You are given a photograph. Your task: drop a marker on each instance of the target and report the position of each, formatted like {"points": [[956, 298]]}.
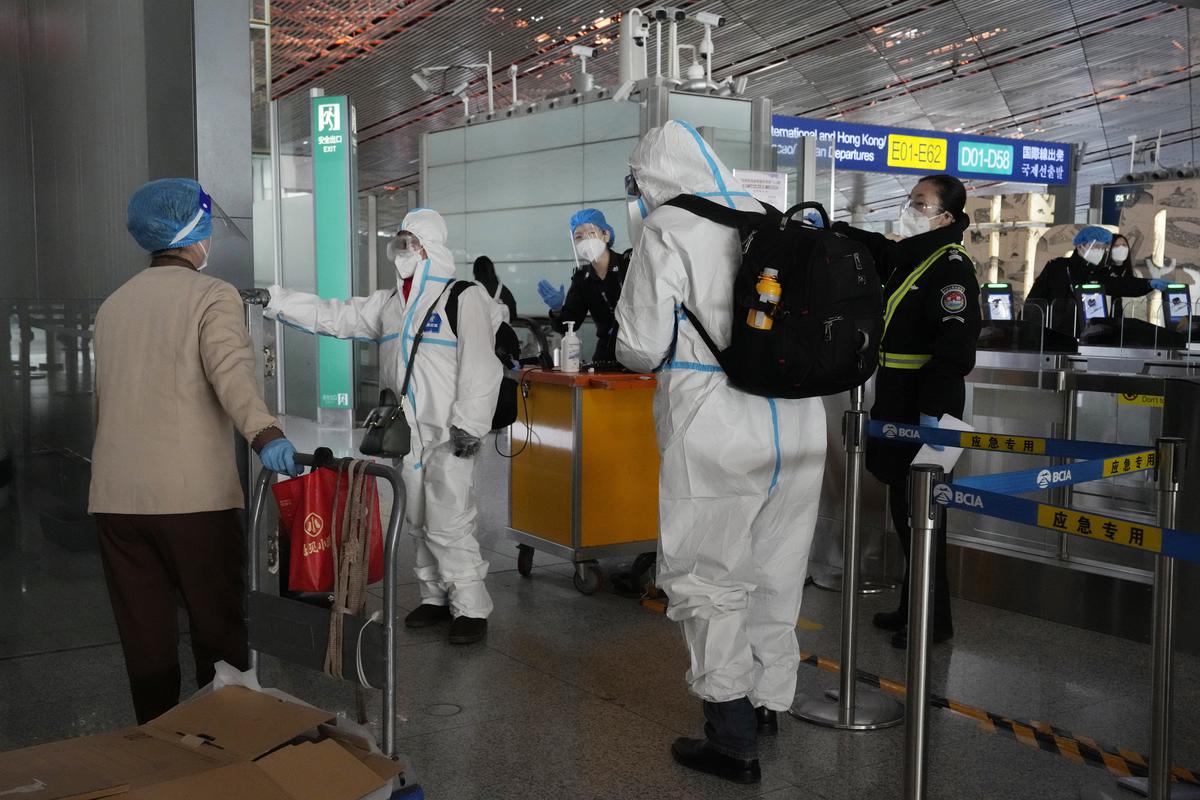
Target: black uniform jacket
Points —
{"points": [[1060, 276], [591, 295], [932, 332]]}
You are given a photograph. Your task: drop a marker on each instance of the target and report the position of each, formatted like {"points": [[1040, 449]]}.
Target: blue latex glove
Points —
{"points": [[931, 422], [814, 219], [551, 296], [279, 455], [1158, 284]]}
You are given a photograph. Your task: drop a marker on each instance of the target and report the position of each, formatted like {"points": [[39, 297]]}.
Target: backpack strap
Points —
{"points": [[412, 354], [708, 341], [713, 212], [456, 289]]}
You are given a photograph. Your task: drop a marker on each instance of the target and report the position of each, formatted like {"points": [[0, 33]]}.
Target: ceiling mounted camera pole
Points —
{"points": [[422, 75]]}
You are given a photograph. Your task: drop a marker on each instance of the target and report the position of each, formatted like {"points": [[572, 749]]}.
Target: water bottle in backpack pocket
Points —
{"points": [[819, 332]]}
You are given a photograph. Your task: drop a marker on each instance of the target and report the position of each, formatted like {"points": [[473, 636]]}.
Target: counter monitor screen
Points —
{"points": [[998, 301], [1092, 301], [1177, 303]]}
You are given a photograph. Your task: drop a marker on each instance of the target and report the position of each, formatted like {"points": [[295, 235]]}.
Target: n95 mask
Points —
{"points": [[589, 249], [913, 223], [406, 264]]}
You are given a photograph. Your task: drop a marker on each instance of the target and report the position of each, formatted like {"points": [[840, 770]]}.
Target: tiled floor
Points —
{"points": [[580, 697]]}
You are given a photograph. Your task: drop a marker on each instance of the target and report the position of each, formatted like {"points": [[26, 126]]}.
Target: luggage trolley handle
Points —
{"points": [[323, 457]]}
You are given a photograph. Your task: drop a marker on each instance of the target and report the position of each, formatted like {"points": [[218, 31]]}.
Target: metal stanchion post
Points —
{"points": [[830, 579], [1169, 475], [923, 516], [845, 709]]}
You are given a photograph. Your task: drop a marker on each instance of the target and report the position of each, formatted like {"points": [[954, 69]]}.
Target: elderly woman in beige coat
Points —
{"points": [[174, 382]]}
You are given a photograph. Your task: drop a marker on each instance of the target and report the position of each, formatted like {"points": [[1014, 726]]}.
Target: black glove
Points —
{"points": [[256, 297], [465, 445]]}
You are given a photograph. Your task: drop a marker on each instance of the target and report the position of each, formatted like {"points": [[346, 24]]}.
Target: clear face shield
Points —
{"points": [[224, 231], [635, 207], [589, 243]]}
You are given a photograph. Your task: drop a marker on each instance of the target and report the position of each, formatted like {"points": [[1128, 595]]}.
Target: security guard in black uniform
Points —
{"points": [[932, 322]]}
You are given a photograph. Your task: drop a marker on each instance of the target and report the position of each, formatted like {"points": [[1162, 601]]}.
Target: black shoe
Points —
{"points": [[890, 620], [940, 635], [699, 755], [467, 630], [425, 615], [768, 721]]}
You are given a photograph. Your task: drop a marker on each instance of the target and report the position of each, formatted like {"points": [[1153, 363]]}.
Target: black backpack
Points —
{"points": [[508, 351], [828, 323]]}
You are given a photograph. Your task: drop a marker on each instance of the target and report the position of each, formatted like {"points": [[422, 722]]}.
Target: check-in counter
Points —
{"points": [[584, 470]]}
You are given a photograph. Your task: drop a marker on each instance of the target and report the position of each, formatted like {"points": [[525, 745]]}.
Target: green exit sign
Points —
{"points": [[986, 157]]}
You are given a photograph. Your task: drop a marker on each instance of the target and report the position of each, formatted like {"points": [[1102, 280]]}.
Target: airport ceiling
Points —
{"points": [[1080, 71]]}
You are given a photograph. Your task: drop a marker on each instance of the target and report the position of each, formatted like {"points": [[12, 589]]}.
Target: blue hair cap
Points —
{"points": [[1093, 233], [592, 216], [169, 213]]}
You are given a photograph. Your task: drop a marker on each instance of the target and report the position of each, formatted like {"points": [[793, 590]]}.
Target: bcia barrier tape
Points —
{"points": [[1032, 480], [998, 442], [1138, 535]]}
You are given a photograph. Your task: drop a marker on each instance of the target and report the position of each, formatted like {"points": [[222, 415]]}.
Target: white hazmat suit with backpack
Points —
{"points": [[455, 381], [741, 474]]}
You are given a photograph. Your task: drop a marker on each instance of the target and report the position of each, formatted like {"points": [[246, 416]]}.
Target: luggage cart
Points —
{"points": [[298, 632]]}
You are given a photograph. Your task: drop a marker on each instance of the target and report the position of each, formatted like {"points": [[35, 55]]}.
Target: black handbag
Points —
{"points": [[388, 434]]}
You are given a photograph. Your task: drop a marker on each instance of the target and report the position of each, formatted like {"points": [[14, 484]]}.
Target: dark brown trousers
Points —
{"points": [[148, 558]]}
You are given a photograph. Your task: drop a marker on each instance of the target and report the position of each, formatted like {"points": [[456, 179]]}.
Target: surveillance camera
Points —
{"points": [[708, 18], [419, 80], [513, 70], [581, 51], [461, 89], [667, 14]]}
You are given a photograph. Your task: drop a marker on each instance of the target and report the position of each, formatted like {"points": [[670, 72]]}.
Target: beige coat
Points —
{"points": [[175, 377]]}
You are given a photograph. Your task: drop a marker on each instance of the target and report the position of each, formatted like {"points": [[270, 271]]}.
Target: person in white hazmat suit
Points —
{"points": [[449, 407], [740, 475]]}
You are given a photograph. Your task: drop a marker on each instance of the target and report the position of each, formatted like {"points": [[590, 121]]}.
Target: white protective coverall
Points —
{"points": [[455, 382], [741, 474]]}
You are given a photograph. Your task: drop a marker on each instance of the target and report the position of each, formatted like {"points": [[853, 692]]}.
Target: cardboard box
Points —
{"points": [[982, 208], [1027, 207], [233, 744]]}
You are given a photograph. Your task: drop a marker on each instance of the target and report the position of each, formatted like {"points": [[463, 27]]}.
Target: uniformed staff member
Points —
{"points": [[1089, 263], [595, 286], [931, 324]]}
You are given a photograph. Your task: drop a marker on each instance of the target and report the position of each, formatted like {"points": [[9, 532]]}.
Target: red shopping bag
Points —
{"points": [[306, 508]]}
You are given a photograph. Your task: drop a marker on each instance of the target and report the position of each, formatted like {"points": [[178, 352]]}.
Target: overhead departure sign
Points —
{"points": [[874, 148], [926, 153]]}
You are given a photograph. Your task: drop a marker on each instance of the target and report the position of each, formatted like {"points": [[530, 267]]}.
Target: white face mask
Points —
{"points": [[590, 249], [1093, 254], [913, 223], [1119, 254], [204, 263], [637, 213], [406, 264]]}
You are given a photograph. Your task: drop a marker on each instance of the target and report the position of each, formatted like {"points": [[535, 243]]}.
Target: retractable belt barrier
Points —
{"points": [[989, 495]]}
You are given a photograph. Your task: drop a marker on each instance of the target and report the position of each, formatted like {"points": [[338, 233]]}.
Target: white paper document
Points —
{"points": [[947, 457]]}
